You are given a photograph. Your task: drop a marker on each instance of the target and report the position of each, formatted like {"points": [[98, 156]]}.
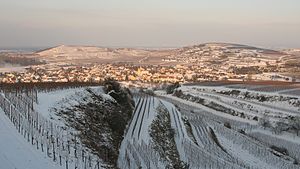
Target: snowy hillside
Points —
{"points": [[249, 128], [49, 137], [225, 126], [73, 127], [146, 144], [199, 142], [17, 153]]}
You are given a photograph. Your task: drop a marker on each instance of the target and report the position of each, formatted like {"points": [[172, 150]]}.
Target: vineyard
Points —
{"points": [[228, 134], [198, 128], [207, 151], [59, 143]]}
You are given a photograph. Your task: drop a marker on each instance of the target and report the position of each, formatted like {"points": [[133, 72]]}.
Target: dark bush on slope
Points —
{"points": [[101, 122], [170, 89], [122, 95], [282, 150]]}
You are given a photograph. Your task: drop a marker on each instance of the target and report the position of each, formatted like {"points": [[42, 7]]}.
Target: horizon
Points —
{"points": [[149, 23], [37, 48]]}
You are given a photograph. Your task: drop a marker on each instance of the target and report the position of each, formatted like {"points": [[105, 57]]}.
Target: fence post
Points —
{"points": [[67, 165]]}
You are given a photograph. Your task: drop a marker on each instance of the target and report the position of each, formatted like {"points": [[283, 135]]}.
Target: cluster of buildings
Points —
{"points": [[124, 72]]}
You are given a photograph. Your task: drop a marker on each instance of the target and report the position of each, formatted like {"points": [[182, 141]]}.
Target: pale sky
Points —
{"points": [[151, 23]]}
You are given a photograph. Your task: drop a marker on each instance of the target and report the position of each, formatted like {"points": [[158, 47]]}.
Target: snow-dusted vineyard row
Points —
{"points": [[287, 107], [244, 104], [237, 123], [204, 153], [267, 89], [291, 145], [137, 149], [198, 158], [278, 99], [205, 129], [16, 153], [202, 134], [207, 149], [253, 148], [57, 142]]}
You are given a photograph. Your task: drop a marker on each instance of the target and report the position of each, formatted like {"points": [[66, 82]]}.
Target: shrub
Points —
{"points": [[295, 124], [264, 122], [170, 89], [282, 150], [178, 93], [227, 124]]}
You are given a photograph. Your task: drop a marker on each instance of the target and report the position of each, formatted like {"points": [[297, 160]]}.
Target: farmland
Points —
{"points": [[218, 125]]}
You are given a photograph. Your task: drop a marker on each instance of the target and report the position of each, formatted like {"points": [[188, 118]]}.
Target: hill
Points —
{"points": [[196, 54], [91, 54]]}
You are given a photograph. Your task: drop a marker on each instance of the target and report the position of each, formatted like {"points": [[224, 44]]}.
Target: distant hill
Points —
{"points": [[79, 54], [201, 53]]}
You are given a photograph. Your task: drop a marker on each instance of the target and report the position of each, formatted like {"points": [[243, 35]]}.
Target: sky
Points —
{"points": [[151, 23]]}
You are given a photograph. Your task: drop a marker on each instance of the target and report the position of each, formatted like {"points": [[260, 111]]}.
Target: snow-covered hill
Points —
{"points": [[17, 153], [208, 53], [78, 127], [86, 54]]}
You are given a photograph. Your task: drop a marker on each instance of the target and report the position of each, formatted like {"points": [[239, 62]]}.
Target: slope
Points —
{"points": [[16, 153]]}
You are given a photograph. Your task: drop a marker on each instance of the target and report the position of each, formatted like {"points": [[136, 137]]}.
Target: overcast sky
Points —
{"points": [[151, 23]]}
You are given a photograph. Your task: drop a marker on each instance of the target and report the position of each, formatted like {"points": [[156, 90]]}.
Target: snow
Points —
{"points": [[144, 113], [279, 105], [250, 150], [16, 153], [136, 145], [283, 136], [275, 109], [248, 158], [179, 128], [236, 150], [47, 100], [206, 109], [244, 151]]}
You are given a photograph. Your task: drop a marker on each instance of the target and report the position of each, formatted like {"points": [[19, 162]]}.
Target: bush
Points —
{"points": [[255, 118], [242, 131], [227, 124], [280, 127], [111, 84], [282, 150], [178, 93], [295, 124], [170, 89], [264, 122]]}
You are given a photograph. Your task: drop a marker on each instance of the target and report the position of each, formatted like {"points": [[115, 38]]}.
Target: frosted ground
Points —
{"points": [[201, 137]]}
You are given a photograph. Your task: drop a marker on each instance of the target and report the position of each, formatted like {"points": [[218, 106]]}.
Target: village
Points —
{"points": [[144, 74]]}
